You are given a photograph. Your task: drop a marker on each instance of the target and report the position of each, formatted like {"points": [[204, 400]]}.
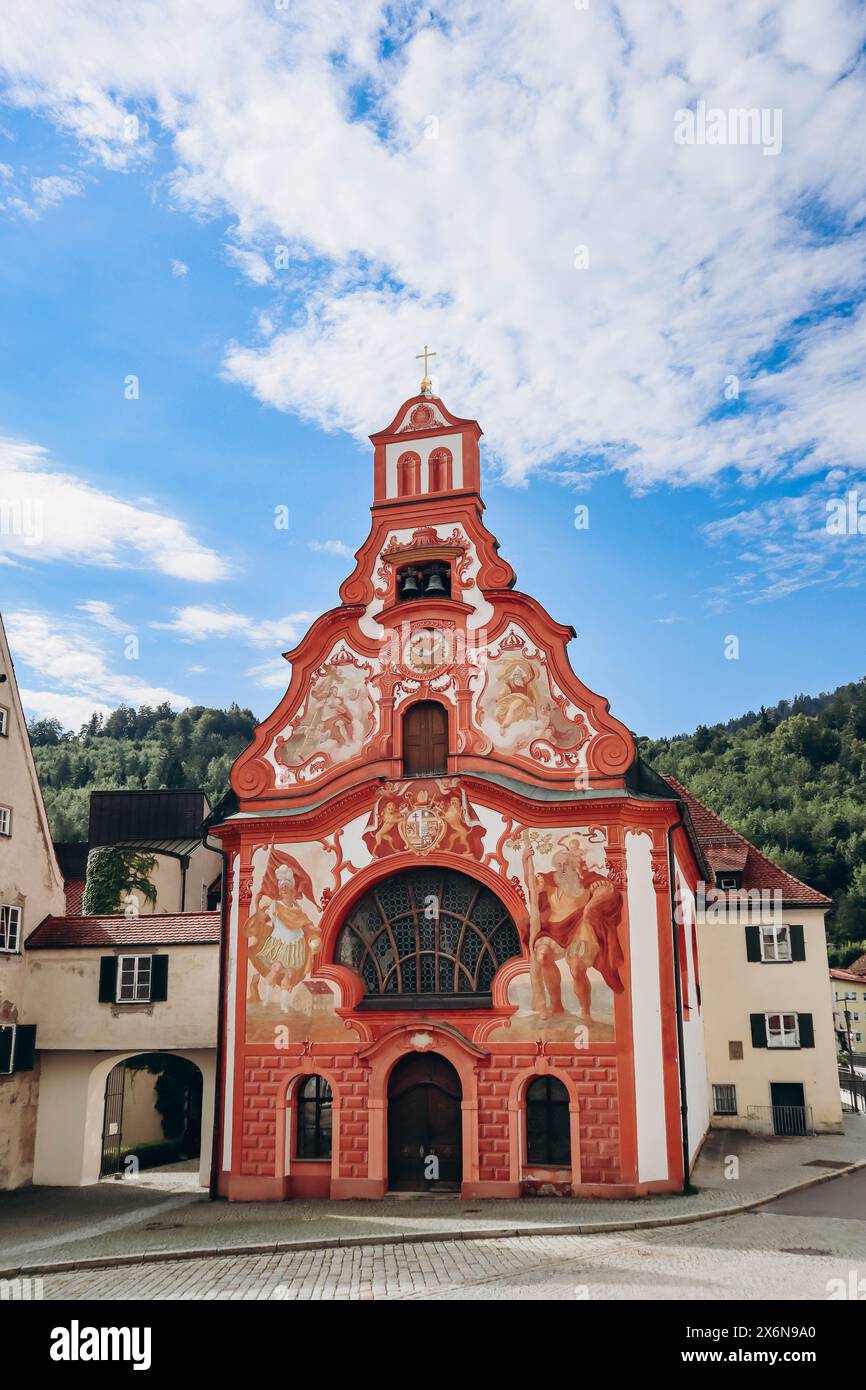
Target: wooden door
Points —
{"points": [[425, 1125], [425, 739]]}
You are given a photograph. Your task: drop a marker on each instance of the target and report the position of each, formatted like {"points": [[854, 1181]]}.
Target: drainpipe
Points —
{"points": [[681, 1047], [221, 1013]]}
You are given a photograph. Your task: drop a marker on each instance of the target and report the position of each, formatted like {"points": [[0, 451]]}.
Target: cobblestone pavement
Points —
{"points": [[756, 1255], [166, 1210]]}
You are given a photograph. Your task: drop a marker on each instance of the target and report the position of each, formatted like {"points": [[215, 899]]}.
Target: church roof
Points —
{"points": [[150, 929], [727, 850]]}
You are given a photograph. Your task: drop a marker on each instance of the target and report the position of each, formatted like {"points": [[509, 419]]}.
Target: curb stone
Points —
{"points": [[288, 1247]]}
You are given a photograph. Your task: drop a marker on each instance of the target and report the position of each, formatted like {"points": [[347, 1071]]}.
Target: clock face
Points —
{"points": [[426, 650]]}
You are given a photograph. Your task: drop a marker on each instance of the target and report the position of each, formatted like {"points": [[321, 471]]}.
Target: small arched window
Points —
{"points": [[408, 475], [440, 470], [548, 1126], [314, 1118], [425, 739]]}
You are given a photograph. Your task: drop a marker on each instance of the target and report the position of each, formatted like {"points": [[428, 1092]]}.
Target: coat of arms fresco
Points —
{"points": [[424, 816]]}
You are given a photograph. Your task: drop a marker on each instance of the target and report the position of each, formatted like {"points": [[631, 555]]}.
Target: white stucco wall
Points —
{"points": [[652, 1156], [71, 1111], [735, 988]]}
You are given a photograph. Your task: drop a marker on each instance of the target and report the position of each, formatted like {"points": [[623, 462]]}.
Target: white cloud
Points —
{"points": [[786, 544], [50, 515], [270, 675], [103, 615], [251, 264], [552, 129], [179, 269], [45, 193], [75, 667], [200, 622], [71, 710], [331, 548]]}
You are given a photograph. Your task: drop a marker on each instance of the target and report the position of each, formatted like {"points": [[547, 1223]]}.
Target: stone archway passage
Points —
{"points": [[166, 1128], [425, 1125]]}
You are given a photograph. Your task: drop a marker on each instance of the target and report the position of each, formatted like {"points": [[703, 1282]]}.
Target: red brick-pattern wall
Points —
{"points": [[264, 1080], [594, 1078], [595, 1081]]}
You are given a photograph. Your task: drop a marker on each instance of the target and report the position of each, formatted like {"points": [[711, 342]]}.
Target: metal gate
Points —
{"points": [[112, 1122]]}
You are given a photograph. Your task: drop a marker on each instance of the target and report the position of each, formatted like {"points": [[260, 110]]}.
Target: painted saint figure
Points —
{"points": [[517, 699], [575, 913], [282, 940]]}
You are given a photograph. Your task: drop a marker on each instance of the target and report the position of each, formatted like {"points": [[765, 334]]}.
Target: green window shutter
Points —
{"points": [[798, 944], [753, 943], [759, 1030], [806, 1030], [25, 1046], [158, 978], [7, 1035], [107, 979]]}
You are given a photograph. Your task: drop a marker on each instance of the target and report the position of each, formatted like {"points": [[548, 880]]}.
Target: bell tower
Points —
{"points": [[426, 452]]}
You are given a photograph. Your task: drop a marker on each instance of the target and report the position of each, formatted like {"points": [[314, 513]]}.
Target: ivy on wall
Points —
{"points": [[112, 872]]}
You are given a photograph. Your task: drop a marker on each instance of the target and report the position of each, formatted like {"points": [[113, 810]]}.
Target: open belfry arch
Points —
{"points": [[451, 958]]}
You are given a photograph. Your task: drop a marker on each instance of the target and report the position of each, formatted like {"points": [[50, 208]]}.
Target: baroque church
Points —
{"points": [[452, 959]]}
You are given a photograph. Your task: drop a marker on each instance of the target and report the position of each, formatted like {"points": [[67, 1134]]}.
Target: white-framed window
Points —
{"points": [[724, 1100], [5, 820], [10, 928], [775, 943], [858, 1037], [782, 1030], [4, 721], [133, 979]]}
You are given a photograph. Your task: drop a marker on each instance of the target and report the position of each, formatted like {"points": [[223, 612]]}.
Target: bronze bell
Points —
{"points": [[435, 587], [410, 587]]}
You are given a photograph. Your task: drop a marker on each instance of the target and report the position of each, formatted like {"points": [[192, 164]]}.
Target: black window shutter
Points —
{"points": [[798, 944], [25, 1046], [753, 943], [158, 978], [7, 1033], [807, 1031], [759, 1030], [107, 979]]}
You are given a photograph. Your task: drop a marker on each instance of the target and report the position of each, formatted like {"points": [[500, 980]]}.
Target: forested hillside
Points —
{"points": [[791, 778], [147, 748]]}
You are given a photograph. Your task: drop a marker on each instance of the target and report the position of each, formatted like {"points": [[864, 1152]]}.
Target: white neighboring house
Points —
{"points": [[31, 887], [768, 1021], [103, 990]]}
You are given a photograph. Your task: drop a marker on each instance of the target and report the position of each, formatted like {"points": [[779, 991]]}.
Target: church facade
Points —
{"points": [[460, 949]]}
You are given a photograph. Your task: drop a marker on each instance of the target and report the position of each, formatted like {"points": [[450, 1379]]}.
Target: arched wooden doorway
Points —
{"points": [[425, 739], [425, 1124]]}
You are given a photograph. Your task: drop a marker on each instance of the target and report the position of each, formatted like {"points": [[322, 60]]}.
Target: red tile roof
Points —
{"points": [[858, 966], [74, 896], [157, 929], [721, 843], [857, 979]]}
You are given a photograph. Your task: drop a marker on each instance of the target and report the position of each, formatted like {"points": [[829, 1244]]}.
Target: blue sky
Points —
{"points": [[157, 255]]}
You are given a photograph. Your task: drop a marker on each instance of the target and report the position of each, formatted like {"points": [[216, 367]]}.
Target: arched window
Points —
{"points": [[314, 1118], [548, 1127], [427, 936], [425, 739], [440, 470], [408, 475]]}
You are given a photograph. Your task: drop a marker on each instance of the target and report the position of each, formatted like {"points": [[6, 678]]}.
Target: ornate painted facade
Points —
{"points": [[451, 957]]}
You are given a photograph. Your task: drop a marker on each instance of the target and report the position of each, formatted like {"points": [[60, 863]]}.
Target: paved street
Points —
{"points": [[788, 1250]]}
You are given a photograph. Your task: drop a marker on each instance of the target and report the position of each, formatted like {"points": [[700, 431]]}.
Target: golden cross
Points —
{"points": [[425, 384]]}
